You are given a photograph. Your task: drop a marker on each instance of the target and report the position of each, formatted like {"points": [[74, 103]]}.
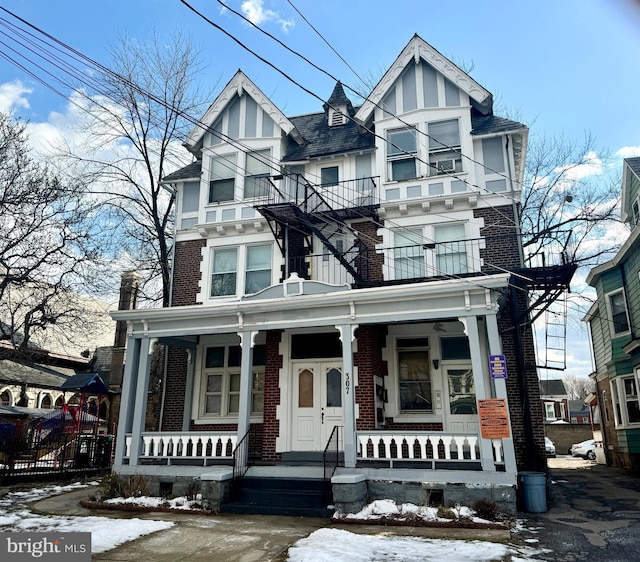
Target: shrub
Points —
{"points": [[192, 490], [109, 487], [486, 509], [445, 512]]}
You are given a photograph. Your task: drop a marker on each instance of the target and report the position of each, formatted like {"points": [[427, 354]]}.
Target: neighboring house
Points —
{"points": [[614, 322], [340, 282], [579, 412], [555, 400]]}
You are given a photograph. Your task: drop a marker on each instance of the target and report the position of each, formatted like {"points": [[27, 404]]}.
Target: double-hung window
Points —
{"points": [[221, 381], [409, 259], [618, 313], [222, 178], [444, 147], [256, 180], [451, 250], [226, 280], [402, 154], [631, 398], [414, 375]]}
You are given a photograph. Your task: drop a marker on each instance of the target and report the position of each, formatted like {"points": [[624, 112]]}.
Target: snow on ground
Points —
{"points": [[106, 533], [152, 501], [335, 545]]}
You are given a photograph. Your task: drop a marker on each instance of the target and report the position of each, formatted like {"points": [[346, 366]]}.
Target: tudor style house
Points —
{"points": [[345, 281], [614, 326]]}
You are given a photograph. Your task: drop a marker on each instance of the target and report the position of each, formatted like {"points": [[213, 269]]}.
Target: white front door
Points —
{"points": [[317, 404], [462, 411]]}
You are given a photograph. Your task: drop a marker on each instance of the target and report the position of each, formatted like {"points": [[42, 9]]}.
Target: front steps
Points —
{"points": [[301, 497]]}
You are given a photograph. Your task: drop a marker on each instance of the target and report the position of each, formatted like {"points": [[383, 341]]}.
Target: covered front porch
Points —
{"points": [[360, 446]]}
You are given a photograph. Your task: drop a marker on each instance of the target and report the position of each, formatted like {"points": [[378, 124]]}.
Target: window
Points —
{"points": [[451, 250], [402, 153], [618, 311], [630, 386], [414, 377], [409, 261], [222, 178], [462, 394], [550, 410], [444, 148], [636, 212], [256, 182], [5, 398], [222, 381], [225, 272], [257, 272], [329, 176]]}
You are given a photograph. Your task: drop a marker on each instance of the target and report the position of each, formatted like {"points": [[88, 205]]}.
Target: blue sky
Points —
{"points": [[564, 67]]}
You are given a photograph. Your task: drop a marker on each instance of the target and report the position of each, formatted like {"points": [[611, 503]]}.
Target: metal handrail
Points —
{"points": [[241, 456], [330, 465]]}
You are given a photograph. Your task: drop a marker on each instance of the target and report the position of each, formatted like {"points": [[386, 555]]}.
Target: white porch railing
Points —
{"points": [[179, 445], [422, 446]]}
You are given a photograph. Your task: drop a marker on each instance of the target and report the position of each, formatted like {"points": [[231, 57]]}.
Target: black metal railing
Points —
{"points": [[332, 457], [414, 263], [244, 455]]}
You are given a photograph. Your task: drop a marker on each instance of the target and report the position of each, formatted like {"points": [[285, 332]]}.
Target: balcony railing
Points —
{"points": [[402, 264]]}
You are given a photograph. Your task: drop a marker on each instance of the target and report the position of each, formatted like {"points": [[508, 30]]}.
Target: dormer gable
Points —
{"points": [[417, 52], [338, 107], [240, 85]]}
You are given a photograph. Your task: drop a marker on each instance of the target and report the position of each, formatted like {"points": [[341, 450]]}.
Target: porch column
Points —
{"points": [[247, 341], [500, 385], [471, 324], [140, 402], [347, 335], [188, 395], [127, 398]]}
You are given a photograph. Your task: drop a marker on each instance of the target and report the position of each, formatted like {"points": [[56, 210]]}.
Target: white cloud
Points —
{"points": [[12, 94], [628, 152], [256, 13], [593, 165]]}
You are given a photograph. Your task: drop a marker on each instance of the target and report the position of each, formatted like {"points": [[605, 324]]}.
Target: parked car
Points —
{"points": [[586, 449], [549, 448]]}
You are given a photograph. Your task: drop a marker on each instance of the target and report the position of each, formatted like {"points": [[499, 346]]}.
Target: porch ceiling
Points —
{"points": [[452, 298]]}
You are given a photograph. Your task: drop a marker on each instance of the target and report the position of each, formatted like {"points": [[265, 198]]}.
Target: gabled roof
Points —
{"points": [[86, 382], [33, 374], [338, 98], [417, 49], [491, 124], [191, 171], [552, 387], [238, 85]]}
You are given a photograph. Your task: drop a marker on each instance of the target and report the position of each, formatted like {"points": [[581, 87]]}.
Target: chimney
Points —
{"points": [[129, 288]]}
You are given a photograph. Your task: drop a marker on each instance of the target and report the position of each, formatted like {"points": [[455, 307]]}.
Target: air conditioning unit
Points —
{"points": [[445, 166]]}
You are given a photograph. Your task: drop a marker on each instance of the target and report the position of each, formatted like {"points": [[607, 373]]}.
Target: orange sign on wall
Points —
{"points": [[494, 421]]}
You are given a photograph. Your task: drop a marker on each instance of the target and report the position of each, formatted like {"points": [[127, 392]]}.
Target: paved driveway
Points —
{"points": [[593, 513]]}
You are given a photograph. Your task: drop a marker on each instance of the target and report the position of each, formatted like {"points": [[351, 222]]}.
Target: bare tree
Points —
{"points": [[578, 388], [48, 244], [569, 203], [137, 115]]}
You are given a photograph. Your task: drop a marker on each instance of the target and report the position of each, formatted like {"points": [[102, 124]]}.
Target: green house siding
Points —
{"points": [[623, 367], [633, 440], [633, 190]]}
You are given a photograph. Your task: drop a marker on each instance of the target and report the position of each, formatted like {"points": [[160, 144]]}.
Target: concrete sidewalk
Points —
{"points": [[228, 537]]}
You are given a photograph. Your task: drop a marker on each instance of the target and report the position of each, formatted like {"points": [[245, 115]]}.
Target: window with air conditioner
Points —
{"points": [[444, 147]]}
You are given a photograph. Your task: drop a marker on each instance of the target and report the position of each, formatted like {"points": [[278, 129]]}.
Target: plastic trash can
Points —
{"points": [[534, 491]]}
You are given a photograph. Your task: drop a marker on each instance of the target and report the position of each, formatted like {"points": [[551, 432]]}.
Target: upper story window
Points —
{"points": [[258, 169], [222, 178], [444, 147], [635, 209], [451, 249], [402, 154], [225, 278], [409, 260], [329, 176], [5, 398], [618, 314]]}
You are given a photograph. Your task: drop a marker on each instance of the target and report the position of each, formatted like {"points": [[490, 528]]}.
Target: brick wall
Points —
{"points": [[368, 359], [186, 272], [369, 264], [271, 426], [175, 391], [501, 249]]}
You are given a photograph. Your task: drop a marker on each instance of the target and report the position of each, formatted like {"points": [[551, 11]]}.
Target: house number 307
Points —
{"points": [[346, 382]]}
